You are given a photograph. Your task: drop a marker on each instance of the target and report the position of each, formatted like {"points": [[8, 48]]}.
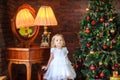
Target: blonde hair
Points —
{"points": [[53, 38]]}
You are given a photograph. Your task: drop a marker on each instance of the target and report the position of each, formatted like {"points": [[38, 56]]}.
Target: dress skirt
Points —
{"points": [[60, 69]]}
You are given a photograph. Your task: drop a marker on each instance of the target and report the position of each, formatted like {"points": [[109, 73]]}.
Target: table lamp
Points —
{"points": [[45, 17]]}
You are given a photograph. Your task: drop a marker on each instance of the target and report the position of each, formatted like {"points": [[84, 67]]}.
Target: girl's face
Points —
{"points": [[58, 41]]}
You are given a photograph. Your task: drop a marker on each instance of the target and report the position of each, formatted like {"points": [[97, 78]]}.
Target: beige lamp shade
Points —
{"points": [[24, 18], [45, 17]]}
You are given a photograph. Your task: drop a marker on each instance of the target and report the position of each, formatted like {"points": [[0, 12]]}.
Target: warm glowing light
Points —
{"points": [[87, 9], [45, 17], [24, 18]]}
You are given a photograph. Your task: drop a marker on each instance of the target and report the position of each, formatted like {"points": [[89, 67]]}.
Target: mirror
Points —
{"points": [[25, 40]]}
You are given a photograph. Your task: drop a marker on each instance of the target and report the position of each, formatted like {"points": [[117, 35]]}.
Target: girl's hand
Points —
{"points": [[44, 67]]}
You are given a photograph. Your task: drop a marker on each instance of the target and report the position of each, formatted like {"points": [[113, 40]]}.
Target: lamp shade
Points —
{"points": [[45, 17], [24, 18]]}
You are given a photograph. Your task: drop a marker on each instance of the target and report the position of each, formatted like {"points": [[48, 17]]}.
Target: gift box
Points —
{"points": [[115, 78]]}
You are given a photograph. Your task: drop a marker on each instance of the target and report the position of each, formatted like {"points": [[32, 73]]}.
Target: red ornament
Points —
{"points": [[87, 30], [88, 18], [83, 66], [76, 66], [116, 65], [93, 22], [113, 41], [92, 67], [111, 47], [88, 44], [101, 74], [80, 60], [113, 67], [97, 77], [104, 47], [101, 19]]}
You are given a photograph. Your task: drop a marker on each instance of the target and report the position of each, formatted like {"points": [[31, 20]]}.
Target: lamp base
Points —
{"points": [[44, 44], [45, 39]]}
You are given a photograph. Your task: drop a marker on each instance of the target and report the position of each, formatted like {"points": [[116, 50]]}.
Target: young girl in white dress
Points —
{"points": [[59, 66]]}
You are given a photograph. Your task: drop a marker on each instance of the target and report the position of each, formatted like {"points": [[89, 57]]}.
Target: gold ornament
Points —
{"points": [[100, 63], [107, 39], [91, 52], [110, 19], [101, 34], [112, 31]]}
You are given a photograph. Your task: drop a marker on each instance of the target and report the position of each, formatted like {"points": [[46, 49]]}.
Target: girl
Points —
{"points": [[59, 66]]}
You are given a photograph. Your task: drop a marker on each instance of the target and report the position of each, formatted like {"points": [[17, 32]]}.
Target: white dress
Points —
{"points": [[60, 67]]}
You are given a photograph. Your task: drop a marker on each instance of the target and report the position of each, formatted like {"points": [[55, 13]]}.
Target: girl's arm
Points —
{"points": [[49, 61]]}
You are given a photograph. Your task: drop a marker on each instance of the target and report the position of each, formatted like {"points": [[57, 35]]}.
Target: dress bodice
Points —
{"points": [[59, 53]]}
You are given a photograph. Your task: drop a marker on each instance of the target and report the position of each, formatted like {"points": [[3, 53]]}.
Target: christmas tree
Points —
{"points": [[99, 52]]}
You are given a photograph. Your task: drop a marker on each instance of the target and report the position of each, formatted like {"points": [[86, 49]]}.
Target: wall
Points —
{"points": [[1, 38], [4, 33], [68, 14]]}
